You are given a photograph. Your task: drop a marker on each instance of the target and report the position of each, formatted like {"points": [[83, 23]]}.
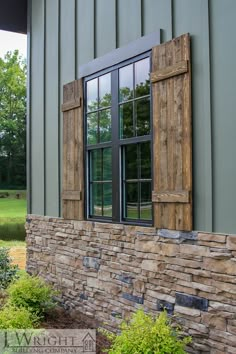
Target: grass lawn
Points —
{"points": [[12, 216]]}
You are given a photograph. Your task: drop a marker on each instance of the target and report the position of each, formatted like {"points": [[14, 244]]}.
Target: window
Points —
{"points": [[118, 143]]}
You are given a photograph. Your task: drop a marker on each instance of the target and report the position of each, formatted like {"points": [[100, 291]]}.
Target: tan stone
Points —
{"points": [[168, 249], [219, 306], [178, 275], [220, 266], [139, 286], [151, 265], [194, 250], [147, 246], [187, 311], [214, 321], [231, 242], [211, 237]]}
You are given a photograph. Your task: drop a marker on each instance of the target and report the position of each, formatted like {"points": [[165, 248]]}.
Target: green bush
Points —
{"points": [[144, 334], [17, 318], [32, 293], [8, 272]]}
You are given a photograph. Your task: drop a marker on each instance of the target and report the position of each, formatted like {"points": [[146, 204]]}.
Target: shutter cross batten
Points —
{"points": [[172, 134]]}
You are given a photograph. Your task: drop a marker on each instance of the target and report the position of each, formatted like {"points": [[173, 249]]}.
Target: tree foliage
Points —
{"points": [[12, 120]]}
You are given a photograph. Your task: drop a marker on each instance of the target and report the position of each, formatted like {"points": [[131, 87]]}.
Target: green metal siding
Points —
{"points": [[66, 34]]}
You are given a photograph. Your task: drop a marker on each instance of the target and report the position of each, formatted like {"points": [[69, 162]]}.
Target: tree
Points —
{"points": [[12, 120]]}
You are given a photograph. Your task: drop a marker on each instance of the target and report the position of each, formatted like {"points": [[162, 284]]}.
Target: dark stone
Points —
{"points": [[28, 220], [133, 298], [116, 314], [172, 234], [125, 279], [194, 302], [91, 262], [83, 296], [165, 305]]}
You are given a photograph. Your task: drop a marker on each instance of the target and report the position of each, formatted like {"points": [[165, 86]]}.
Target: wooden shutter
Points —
{"points": [[172, 145], [73, 147]]}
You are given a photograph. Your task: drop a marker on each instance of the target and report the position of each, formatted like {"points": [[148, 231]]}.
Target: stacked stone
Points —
{"points": [[109, 270]]}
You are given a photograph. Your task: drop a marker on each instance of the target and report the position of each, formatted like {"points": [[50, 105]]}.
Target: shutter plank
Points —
{"points": [[73, 200], [172, 148]]}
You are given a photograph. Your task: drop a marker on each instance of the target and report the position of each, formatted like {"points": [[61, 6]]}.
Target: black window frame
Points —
{"points": [[116, 145]]}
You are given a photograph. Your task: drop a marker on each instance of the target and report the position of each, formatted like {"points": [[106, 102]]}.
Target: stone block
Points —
{"points": [[231, 242], [220, 266], [139, 286], [165, 305], [133, 298], [91, 262], [187, 311], [150, 265], [194, 250], [191, 301], [124, 278], [211, 237]]}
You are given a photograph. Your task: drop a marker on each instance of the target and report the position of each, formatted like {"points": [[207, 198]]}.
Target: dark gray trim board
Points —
{"points": [[28, 116], [118, 55]]}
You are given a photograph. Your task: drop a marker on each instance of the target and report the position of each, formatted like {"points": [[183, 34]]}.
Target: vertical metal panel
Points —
{"points": [[105, 26], [51, 108], [129, 21], [67, 56], [28, 119], [156, 15], [37, 107], [192, 16], [223, 53], [85, 31]]}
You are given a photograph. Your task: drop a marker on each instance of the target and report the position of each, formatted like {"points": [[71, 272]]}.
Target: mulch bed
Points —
{"points": [[60, 319]]}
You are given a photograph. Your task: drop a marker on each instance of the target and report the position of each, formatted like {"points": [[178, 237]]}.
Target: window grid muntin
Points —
{"points": [[117, 141]]}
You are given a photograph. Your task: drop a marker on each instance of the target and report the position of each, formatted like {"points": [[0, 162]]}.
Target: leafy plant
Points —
{"points": [[8, 272], [12, 317], [32, 293], [144, 334]]}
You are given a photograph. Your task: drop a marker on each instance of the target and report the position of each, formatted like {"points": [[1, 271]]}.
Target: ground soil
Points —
{"points": [[18, 255], [60, 319]]}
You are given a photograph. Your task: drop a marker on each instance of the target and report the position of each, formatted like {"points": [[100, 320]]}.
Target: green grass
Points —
{"points": [[12, 216], [12, 243]]}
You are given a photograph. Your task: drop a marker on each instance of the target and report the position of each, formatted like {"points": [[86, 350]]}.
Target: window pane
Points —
{"points": [[142, 81], [131, 201], [96, 165], [105, 90], [92, 95], [96, 199], [92, 128], [107, 165], [126, 120], [126, 83], [145, 160], [142, 108], [131, 162], [107, 199], [105, 125], [146, 203]]}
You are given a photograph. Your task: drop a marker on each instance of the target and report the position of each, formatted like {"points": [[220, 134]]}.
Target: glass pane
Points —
{"points": [[145, 160], [96, 199], [131, 201], [107, 199], [142, 81], [107, 165], [146, 203], [92, 128], [96, 165], [126, 120], [131, 162], [105, 125], [105, 90], [142, 108], [126, 83], [92, 95]]}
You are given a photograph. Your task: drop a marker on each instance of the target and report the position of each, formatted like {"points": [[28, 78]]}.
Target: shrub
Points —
{"points": [[32, 293], [17, 318], [147, 335], [8, 272]]}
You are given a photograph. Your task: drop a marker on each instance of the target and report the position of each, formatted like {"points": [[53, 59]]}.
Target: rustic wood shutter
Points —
{"points": [[73, 147], [172, 135]]}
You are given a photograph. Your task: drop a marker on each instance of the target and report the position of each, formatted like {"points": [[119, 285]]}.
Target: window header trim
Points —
{"points": [[116, 56]]}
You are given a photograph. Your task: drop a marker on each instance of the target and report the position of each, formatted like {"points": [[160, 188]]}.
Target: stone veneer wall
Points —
{"points": [[108, 270]]}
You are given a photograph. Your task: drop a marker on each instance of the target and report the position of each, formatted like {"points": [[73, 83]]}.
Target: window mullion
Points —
{"points": [[115, 147]]}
